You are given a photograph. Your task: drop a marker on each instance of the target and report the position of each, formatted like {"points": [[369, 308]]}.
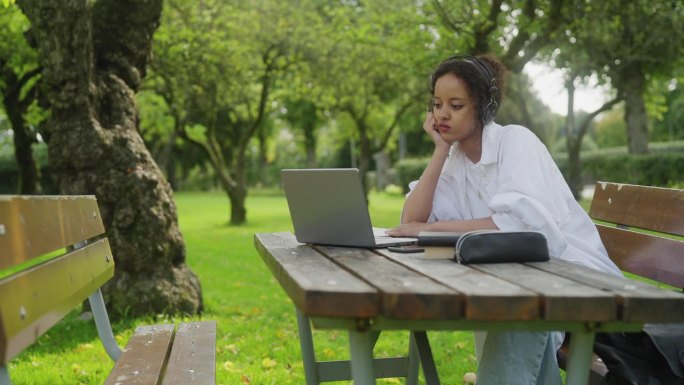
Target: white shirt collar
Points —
{"points": [[490, 144]]}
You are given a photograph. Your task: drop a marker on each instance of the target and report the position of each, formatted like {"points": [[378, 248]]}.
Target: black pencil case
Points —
{"points": [[493, 246]]}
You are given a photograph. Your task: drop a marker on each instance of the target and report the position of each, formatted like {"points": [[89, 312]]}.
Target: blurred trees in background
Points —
{"points": [[237, 90]]}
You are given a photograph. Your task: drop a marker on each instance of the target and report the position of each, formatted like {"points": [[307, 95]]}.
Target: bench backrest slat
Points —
{"points": [[650, 208], [37, 298], [660, 259], [654, 254], [31, 226]]}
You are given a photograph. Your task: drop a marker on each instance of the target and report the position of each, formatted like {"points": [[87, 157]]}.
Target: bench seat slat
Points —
{"points": [[193, 356], [37, 298], [31, 226], [144, 357]]}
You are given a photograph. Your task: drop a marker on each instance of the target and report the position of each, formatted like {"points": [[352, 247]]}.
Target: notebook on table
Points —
{"points": [[328, 207]]}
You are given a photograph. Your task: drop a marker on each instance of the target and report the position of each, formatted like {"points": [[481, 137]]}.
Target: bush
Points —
{"points": [[409, 170], [663, 166], [655, 169]]}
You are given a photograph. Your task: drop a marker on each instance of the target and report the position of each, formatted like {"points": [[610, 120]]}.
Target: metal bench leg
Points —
{"points": [[426, 359], [4, 376], [361, 347], [307, 347], [104, 328], [579, 358]]}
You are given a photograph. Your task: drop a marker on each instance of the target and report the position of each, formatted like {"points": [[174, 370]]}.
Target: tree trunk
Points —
{"points": [[264, 176], [310, 143], [238, 210], [94, 56], [575, 134], [29, 177], [574, 176], [573, 143], [632, 86], [365, 156], [236, 188], [15, 108]]}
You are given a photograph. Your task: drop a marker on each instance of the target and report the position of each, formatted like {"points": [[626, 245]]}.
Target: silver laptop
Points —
{"points": [[328, 207]]}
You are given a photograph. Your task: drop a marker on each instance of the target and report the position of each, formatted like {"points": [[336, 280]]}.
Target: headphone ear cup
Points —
{"points": [[489, 111]]}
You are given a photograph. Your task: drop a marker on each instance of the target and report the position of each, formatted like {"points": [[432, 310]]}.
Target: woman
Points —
{"points": [[486, 176]]}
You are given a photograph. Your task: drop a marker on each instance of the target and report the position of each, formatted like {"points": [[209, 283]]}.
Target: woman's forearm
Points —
{"points": [[418, 205], [412, 229], [460, 226]]}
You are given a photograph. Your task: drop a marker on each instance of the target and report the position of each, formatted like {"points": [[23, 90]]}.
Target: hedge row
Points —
{"points": [[663, 166], [655, 169]]}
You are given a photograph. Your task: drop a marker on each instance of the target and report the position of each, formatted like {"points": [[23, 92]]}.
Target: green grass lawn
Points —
{"points": [[257, 339]]}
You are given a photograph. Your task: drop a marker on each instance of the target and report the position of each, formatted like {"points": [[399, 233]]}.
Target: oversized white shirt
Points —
{"points": [[518, 184]]}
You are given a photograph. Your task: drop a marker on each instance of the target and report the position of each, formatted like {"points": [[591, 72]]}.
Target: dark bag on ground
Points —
{"points": [[654, 356], [492, 246]]}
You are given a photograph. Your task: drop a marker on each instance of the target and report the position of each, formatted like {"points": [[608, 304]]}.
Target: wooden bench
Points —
{"points": [[619, 210], [54, 254]]}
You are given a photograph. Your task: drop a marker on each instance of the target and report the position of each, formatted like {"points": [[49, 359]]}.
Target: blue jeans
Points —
{"points": [[518, 358]]}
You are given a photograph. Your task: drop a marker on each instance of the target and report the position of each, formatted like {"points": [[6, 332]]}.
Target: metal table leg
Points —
{"points": [[413, 362], [307, 347], [4, 376], [361, 347], [426, 359], [579, 358]]}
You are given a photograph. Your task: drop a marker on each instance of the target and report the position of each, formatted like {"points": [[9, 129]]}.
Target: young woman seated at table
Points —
{"points": [[486, 176]]}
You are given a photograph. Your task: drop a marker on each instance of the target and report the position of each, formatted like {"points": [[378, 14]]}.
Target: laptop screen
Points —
{"points": [[328, 206]]}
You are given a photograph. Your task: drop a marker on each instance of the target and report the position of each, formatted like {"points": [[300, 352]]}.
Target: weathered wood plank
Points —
{"points": [[31, 226], [144, 357], [193, 355], [316, 285], [404, 293], [35, 299], [637, 301], [485, 297], [657, 258], [562, 299], [651, 208]]}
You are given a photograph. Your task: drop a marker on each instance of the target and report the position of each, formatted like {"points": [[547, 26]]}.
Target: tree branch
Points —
{"points": [[584, 126], [483, 30], [445, 17], [397, 116]]}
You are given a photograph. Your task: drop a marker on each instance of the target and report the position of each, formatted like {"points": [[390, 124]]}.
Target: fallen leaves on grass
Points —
{"points": [[268, 363]]}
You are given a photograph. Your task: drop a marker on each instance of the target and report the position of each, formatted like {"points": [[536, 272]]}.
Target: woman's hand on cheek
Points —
{"points": [[408, 229], [430, 126]]}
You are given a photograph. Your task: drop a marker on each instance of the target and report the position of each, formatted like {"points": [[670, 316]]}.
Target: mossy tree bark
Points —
{"points": [[94, 55]]}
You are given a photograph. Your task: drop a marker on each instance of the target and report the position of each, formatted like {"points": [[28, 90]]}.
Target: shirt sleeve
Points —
{"points": [[531, 193]]}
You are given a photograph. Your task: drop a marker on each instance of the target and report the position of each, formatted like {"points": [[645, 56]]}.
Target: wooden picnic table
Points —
{"points": [[366, 291]]}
